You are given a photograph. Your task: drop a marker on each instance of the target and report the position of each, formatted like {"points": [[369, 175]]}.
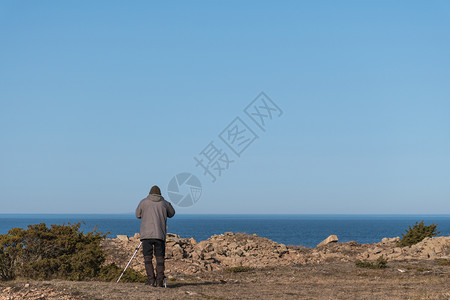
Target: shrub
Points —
{"points": [[112, 272], [380, 263], [10, 250], [417, 233], [443, 261], [61, 251]]}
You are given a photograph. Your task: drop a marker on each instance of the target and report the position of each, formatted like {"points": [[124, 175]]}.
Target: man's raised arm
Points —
{"points": [[139, 211], [170, 210]]}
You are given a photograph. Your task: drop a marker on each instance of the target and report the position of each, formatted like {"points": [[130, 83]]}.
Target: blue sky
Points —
{"points": [[101, 100]]}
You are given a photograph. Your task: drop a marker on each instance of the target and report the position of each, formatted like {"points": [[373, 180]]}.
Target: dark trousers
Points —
{"points": [[157, 247]]}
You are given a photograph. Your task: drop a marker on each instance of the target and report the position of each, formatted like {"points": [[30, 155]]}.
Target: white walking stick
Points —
{"points": [[129, 261]]}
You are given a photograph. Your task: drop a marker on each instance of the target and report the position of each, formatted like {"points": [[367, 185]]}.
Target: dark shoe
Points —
{"points": [[152, 284], [160, 284]]}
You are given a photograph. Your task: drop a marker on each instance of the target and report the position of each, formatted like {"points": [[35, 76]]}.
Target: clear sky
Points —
{"points": [[100, 100]]}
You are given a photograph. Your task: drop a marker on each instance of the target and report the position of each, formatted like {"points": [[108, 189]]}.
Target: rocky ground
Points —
{"points": [[201, 270], [187, 256]]}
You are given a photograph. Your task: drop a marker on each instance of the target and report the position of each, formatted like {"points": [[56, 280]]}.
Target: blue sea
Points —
{"points": [[304, 230]]}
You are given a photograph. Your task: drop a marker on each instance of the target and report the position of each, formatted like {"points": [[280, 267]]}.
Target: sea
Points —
{"points": [[300, 229]]}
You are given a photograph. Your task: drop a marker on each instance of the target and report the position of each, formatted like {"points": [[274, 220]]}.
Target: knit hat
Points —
{"points": [[155, 190]]}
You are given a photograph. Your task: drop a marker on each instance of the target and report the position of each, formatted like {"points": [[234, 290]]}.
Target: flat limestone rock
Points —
{"points": [[123, 238], [331, 239]]}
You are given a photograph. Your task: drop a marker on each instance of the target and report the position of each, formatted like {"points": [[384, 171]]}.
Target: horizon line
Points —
{"points": [[131, 213]]}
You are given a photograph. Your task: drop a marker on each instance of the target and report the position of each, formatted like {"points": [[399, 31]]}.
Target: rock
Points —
{"points": [[209, 255], [191, 293], [390, 240], [377, 250], [123, 238], [208, 248], [331, 239], [284, 248], [177, 251], [197, 255], [232, 246], [238, 261], [171, 237], [137, 236], [239, 252]]}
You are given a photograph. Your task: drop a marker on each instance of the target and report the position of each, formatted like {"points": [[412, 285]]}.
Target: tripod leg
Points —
{"points": [[137, 249]]}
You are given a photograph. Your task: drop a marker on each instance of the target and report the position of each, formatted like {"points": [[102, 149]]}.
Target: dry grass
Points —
{"points": [[443, 262], [324, 281]]}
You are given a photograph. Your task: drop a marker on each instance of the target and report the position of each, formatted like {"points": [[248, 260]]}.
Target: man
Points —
{"points": [[153, 212]]}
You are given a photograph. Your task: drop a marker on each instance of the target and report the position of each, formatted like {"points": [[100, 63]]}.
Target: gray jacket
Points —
{"points": [[153, 212]]}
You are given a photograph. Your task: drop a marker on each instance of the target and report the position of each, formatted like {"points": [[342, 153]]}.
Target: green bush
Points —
{"points": [[112, 272], [61, 251], [10, 251], [417, 233], [380, 263]]}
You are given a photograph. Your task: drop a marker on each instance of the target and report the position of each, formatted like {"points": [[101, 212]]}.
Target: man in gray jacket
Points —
{"points": [[153, 212]]}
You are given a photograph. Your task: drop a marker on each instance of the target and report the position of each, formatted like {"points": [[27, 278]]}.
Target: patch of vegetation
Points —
{"points": [[112, 272], [417, 233], [422, 269], [10, 249], [443, 261], [380, 263], [61, 252], [238, 269]]}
